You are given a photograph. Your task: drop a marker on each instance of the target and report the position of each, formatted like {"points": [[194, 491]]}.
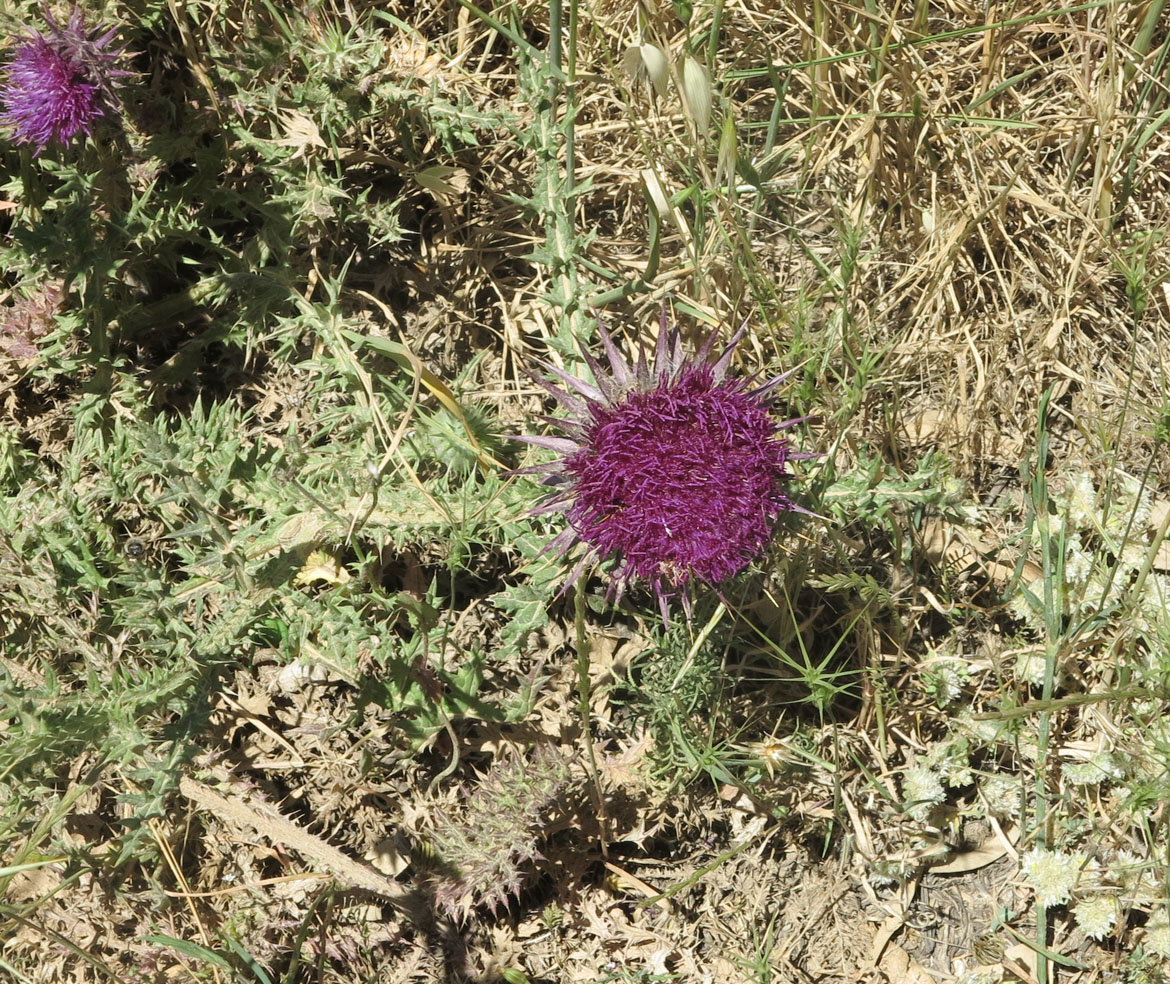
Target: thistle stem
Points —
{"points": [[583, 691]]}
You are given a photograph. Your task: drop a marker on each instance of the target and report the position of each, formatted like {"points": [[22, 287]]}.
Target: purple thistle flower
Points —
{"points": [[60, 84], [674, 470]]}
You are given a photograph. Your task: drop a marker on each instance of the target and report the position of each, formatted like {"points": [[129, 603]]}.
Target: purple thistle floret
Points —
{"points": [[674, 470], [59, 84]]}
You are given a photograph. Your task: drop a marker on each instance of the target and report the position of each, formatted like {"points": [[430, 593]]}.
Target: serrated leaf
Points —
{"points": [[528, 605]]}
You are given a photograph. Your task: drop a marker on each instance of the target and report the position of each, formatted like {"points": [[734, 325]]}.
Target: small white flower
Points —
{"points": [[1158, 934], [1133, 556], [1001, 794], [1096, 915], [945, 678], [957, 774], [1022, 609], [1087, 597], [1108, 763], [1030, 667], [1082, 774], [1102, 766], [951, 762], [1133, 874], [1053, 875], [1131, 500], [1143, 502], [1077, 564], [1082, 501], [921, 789], [1153, 604]]}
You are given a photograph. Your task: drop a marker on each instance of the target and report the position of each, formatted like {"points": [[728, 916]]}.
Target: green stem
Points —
{"points": [[583, 692], [556, 181], [1053, 607]]}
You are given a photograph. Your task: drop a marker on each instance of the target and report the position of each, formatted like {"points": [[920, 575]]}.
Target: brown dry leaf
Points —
{"points": [[626, 766], [935, 539], [881, 945], [300, 132], [408, 54], [604, 664], [268, 821], [1021, 961], [33, 884], [898, 966], [980, 857], [257, 704], [921, 428], [954, 546], [932, 425], [656, 961], [390, 855], [624, 881]]}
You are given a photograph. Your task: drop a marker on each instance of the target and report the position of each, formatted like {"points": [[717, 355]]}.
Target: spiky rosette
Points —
{"points": [[674, 470], [488, 847], [59, 84]]}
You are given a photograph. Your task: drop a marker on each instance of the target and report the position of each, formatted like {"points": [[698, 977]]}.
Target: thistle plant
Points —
{"points": [[488, 846], [674, 471], [61, 83], [29, 319]]}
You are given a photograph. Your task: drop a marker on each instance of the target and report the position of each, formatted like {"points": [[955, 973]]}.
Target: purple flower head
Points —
{"points": [[59, 84], [674, 470]]}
